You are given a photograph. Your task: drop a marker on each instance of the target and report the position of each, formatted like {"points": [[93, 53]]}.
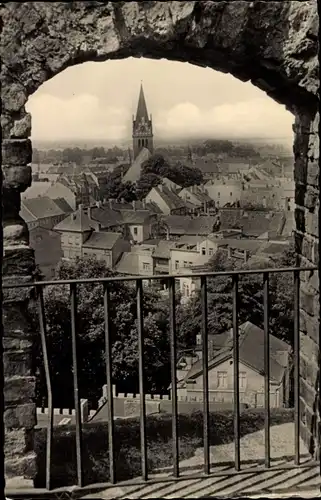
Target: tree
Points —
{"points": [[90, 327], [250, 299], [117, 190]]}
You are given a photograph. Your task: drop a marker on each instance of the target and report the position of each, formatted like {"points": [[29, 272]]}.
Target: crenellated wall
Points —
{"points": [[272, 44]]}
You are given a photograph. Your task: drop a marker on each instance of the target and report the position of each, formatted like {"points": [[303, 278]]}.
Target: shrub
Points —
{"points": [[127, 443]]}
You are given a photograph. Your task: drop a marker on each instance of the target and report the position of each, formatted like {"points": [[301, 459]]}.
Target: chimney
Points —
{"points": [[89, 212], [80, 207], [98, 204], [84, 410], [134, 204], [110, 204], [167, 233], [122, 200], [144, 203], [246, 255], [229, 252], [160, 187]]}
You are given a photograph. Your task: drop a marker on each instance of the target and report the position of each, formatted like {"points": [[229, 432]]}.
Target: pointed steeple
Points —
{"points": [[141, 108]]}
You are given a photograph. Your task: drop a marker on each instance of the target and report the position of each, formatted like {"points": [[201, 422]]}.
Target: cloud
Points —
{"points": [[259, 117], [79, 117], [85, 116]]}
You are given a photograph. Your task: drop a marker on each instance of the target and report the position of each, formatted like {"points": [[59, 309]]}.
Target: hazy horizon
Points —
{"points": [[95, 102]]}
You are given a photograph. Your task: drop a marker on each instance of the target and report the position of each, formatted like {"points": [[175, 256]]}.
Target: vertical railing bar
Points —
{"points": [[140, 323], [173, 377], [266, 369], [42, 322], [73, 304], [236, 373], [296, 362], [205, 376], [110, 397]]}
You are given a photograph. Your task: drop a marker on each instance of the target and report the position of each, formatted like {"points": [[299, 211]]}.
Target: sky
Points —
{"points": [[96, 100]]}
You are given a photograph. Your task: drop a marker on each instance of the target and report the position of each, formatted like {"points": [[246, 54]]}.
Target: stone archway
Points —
{"points": [[272, 44]]}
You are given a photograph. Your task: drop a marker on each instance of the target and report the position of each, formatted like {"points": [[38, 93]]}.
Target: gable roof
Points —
{"points": [[102, 240], [172, 200], [128, 264], [135, 216], [162, 251], [39, 208], [251, 352], [36, 190], [141, 107], [134, 172], [78, 222]]}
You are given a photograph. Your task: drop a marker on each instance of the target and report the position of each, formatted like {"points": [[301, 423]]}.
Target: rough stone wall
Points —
{"points": [[272, 44], [306, 151]]}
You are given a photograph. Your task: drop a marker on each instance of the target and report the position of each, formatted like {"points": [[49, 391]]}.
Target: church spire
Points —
{"points": [[141, 108]]}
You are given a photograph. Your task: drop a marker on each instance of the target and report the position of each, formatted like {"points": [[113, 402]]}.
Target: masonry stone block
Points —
{"points": [[17, 363], [18, 261], [17, 177], [311, 198], [19, 389], [18, 442], [21, 128], [312, 224], [14, 96], [313, 174], [20, 416], [16, 152], [307, 393], [21, 466]]}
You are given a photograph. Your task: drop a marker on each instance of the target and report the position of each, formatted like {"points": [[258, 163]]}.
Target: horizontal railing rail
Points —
{"points": [[106, 282]]}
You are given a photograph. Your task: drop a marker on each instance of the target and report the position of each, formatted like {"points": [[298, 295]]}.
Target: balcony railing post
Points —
{"points": [[173, 376], [110, 396], [236, 373], [140, 327], [266, 368], [205, 375], [42, 324], [296, 363], [73, 303]]}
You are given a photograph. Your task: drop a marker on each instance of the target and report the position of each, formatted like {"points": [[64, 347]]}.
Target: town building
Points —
{"points": [[251, 370], [46, 244], [44, 211], [168, 201]]}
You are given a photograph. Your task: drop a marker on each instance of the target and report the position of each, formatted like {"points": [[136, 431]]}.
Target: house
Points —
{"points": [[162, 256], [60, 190], [167, 201], [224, 191], [198, 196], [138, 262], [44, 211], [171, 185], [107, 246], [36, 190], [79, 226], [175, 226], [47, 247], [253, 223], [139, 223], [188, 254], [251, 370]]}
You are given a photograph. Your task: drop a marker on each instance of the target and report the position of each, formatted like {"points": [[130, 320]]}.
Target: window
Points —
{"points": [[185, 263], [203, 251], [210, 251], [218, 194], [231, 194], [222, 379], [146, 266], [176, 264], [135, 231], [242, 379], [186, 290]]}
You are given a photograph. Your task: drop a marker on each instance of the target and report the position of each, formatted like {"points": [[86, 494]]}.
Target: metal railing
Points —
{"points": [[170, 279]]}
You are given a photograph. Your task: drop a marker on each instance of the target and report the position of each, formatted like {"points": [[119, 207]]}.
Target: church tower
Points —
{"points": [[142, 127]]}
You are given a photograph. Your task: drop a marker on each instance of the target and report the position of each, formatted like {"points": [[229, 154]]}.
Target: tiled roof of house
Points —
{"points": [[63, 205], [241, 244], [162, 251], [128, 264], [274, 247], [102, 240], [170, 184], [177, 224], [172, 200], [184, 225], [251, 352], [78, 222], [106, 216], [135, 216], [38, 208], [36, 190]]}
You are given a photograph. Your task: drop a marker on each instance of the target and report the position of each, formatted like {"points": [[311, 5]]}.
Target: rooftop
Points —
{"points": [[102, 240]]}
